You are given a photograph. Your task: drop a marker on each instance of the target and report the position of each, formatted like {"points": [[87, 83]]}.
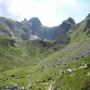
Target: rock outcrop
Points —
{"points": [[33, 27]]}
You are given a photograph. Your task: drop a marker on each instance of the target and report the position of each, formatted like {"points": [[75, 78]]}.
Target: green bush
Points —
{"points": [[86, 85]]}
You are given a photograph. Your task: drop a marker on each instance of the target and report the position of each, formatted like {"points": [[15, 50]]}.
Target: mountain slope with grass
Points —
{"points": [[60, 64]]}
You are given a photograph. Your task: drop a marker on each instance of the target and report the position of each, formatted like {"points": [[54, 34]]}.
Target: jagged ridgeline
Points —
{"points": [[33, 29], [26, 42], [37, 57]]}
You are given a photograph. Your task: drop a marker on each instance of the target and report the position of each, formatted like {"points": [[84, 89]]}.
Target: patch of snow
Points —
{"points": [[34, 37]]}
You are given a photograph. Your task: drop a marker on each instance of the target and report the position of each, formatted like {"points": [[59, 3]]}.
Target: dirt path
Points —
{"points": [[50, 87]]}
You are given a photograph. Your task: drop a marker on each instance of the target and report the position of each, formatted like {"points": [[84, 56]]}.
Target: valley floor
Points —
{"points": [[75, 76]]}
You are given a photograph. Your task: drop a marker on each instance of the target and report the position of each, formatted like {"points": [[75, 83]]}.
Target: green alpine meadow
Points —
{"points": [[34, 56]]}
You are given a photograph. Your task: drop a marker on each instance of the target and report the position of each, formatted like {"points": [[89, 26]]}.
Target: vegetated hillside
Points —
{"points": [[24, 53], [62, 64], [79, 46]]}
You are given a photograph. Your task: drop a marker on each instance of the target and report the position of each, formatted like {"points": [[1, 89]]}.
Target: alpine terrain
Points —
{"points": [[38, 57]]}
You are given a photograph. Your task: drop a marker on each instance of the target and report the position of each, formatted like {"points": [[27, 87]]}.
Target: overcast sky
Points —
{"points": [[50, 12]]}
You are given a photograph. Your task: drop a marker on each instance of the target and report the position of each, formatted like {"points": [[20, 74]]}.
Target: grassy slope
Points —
{"points": [[20, 55], [37, 75], [79, 42]]}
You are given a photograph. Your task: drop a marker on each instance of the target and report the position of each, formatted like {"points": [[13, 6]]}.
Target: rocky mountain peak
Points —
{"points": [[35, 23], [25, 20], [23, 30], [70, 20], [66, 26], [88, 16], [68, 23]]}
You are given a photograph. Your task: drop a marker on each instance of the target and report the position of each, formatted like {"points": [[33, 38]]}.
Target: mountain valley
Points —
{"points": [[37, 57]]}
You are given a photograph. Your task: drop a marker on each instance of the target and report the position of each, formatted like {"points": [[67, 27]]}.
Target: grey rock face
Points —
{"points": [[15, 29], [87, 28], [23, 30]]}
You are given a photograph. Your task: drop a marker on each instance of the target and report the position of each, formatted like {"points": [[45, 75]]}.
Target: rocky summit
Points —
{"points": [[23, 30]]}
